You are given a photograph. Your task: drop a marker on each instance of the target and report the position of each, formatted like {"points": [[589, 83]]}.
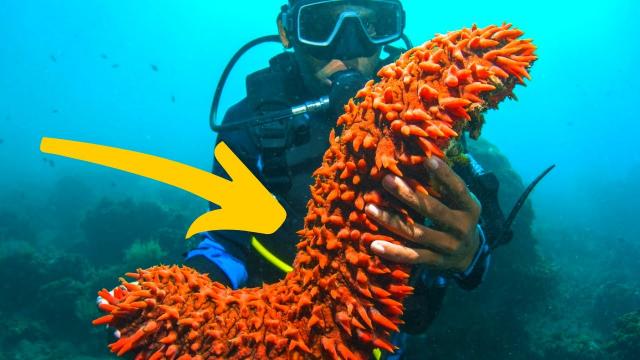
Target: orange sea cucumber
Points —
{"points": [[340, 301]]}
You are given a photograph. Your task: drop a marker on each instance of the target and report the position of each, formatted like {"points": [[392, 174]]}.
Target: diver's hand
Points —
{"points": [[451, 243], [100, 301], [324, 74]]}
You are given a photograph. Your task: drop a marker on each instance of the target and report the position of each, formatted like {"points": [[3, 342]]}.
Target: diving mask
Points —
{"points": [[342, 29]]}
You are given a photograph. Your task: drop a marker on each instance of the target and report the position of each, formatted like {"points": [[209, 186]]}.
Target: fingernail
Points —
{"points": [[377, 247], [433, 162], [389, 182], [373, 210]]}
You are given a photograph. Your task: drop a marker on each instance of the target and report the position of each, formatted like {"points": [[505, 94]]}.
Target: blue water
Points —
{"points": [[577, 112], [84, 70]]}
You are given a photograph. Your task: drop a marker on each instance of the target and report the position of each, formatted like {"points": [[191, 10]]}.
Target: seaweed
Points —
{"points": [[626, 339], [111, 227]]}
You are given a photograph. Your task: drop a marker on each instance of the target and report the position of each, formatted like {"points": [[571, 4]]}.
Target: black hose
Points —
{"points": [[407, 41], [254, 121], [505, 235], [213, 113]]}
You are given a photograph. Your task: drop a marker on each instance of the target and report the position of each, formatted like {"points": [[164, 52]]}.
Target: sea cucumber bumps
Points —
{"points": [[341, 300]]}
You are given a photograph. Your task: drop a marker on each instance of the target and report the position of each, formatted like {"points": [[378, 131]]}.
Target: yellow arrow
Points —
{"points": [[245, 204]]}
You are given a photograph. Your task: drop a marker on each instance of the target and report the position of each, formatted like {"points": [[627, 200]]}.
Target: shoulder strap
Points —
{"points": [[275, 87]]}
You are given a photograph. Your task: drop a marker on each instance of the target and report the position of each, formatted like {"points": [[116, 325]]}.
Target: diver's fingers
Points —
{"points": [[419, 234], [390, 221], [426, 205], [99, 301], [455, 187], [406, 255], [331, 68]]}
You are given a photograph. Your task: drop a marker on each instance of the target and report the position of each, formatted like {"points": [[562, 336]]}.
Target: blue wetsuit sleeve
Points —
{"points": [[233, 268], [475, 273]]}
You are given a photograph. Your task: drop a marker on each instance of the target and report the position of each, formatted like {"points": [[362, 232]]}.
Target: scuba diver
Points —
{"points": [[280, 131]]}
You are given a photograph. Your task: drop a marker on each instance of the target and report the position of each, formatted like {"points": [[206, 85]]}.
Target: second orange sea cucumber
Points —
{"points": [[340, 301]]}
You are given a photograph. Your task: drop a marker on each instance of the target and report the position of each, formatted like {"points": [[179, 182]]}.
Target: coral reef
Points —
{"points": [[110, 226], [626, 341], [15, 227], [145, 253], [44, 290], [340, 301], [50, 300], [68, 199], [562, 345], [611, 300]]}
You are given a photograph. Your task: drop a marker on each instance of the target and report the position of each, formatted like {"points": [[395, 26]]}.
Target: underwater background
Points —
{"points": [[140, 75]]}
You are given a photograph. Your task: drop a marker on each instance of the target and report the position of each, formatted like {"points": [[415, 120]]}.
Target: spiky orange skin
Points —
{"points": [[340, 301]]}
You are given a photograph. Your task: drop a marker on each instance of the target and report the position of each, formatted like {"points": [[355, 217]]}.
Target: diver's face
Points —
{"points": [[316, 72]]}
